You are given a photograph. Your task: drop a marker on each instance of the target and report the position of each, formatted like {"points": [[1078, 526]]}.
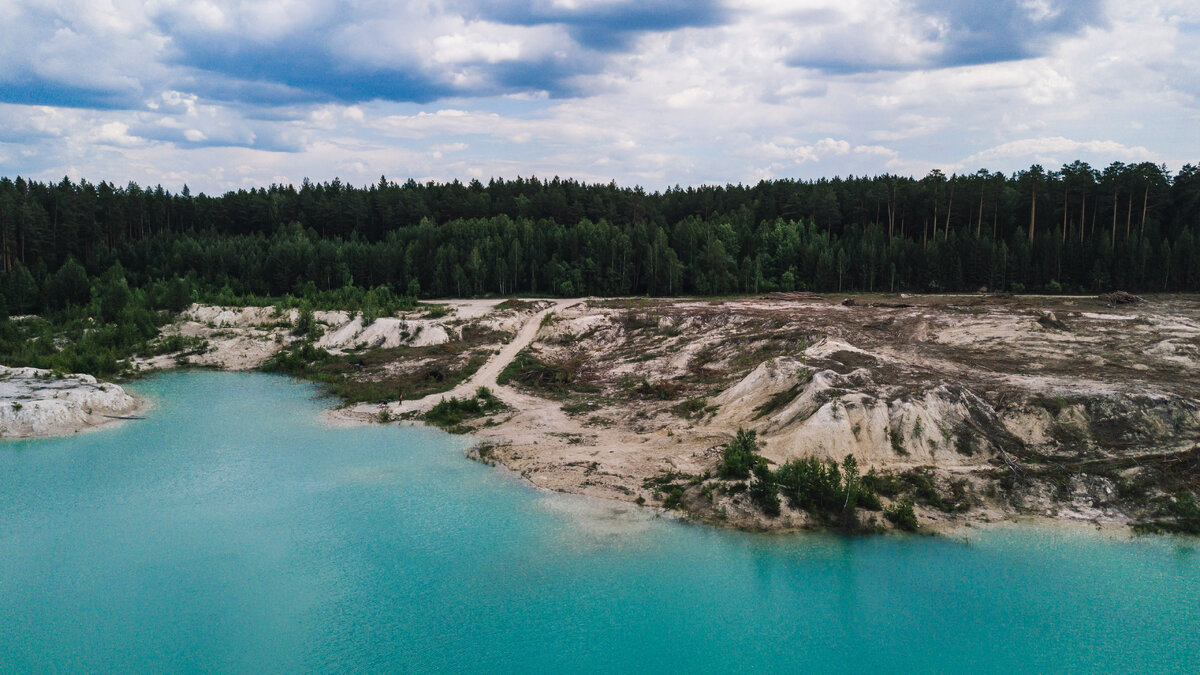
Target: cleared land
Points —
{"points": [[971, 408]]}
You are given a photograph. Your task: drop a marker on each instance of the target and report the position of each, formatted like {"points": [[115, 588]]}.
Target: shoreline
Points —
{"points": [[958, 528], [993, 411], [38, 404], [93, 422]]}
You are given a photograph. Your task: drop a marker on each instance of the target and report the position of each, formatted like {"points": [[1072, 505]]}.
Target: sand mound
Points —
{"points": [[385, 333], [35, 402]]}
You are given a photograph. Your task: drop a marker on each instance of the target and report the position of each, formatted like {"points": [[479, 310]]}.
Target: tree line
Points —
{"points": [[1079, 229]]}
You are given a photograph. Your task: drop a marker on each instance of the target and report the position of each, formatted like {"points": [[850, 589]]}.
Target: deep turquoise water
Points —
{"points": [[233, 532]]}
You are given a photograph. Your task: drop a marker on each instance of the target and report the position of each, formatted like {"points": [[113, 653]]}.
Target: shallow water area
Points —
{"points": [[234, 531]]}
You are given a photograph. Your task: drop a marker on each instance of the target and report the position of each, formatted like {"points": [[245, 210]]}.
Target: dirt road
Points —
{"points": [[484, 377]]}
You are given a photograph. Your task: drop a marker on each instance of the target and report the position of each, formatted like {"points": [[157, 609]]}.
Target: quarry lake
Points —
{"points": [[233, 531]]}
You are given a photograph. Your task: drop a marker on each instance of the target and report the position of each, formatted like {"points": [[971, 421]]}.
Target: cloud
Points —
{"points": [[283, 52], [931, 34], [605, 25], [1057, 150], [223, 94]]}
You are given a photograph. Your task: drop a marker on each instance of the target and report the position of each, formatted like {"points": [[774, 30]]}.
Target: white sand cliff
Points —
{"points": [[36, 402]]}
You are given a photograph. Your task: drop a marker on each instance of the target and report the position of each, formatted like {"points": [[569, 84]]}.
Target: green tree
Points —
{"points": [[740, 456], [21, 289], [113, 293], [69, 286]]}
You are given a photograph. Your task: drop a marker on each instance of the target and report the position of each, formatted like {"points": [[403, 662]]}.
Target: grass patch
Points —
{"points": [[451, 413], [371, 376], [777, 401], [554, 377], [662, 390], [518, 305], [691, 408]]}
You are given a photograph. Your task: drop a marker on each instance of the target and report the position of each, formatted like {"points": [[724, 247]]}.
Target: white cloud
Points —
{"points": [[1057, 150], [703, 104]]}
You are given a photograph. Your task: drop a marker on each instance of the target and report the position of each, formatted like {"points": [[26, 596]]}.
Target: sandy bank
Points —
{"points": [[36, 403], [982, 409]]}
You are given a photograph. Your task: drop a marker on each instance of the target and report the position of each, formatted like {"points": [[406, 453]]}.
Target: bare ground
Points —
{"points": [[979, 408], [36, 403]]}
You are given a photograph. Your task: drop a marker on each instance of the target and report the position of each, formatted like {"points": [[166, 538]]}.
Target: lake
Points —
{"points": [[233, 531]]}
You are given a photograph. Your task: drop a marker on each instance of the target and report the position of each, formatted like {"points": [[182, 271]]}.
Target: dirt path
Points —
{"points": [[484, 377]]}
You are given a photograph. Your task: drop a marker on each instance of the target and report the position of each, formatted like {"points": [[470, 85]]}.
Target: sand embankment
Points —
{"points": [[36, 402]]}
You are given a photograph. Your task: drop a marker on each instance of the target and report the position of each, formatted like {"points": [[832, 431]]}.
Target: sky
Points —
{"points": [[222, 95]]}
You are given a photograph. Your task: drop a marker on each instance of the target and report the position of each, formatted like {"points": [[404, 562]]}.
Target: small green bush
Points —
{"points": [[740, 456], [901, 515], [306, 323], [673, 498], [764, 493], [451, 412]]}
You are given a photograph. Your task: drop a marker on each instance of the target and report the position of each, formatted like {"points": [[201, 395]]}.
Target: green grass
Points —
{"points": [[452, 412], [550, 377], [367, 377]]}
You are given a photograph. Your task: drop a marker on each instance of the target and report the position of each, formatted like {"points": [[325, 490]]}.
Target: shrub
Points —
{"points": [[922, 483], [673, 498], [659, 389], [778, 401], [1183, 516], [964, 443], [529, 371], [1054, 405], [763, 491], [305, 324], [451, 412], [435, 311], [827, 491], [887, 484], [901, 515], [739, 457], [692, 407]]}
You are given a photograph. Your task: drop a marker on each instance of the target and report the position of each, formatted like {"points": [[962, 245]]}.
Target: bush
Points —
{"points": [[436, 311], [451, 412], [901, 515], [673, 498], [740, 456], [1182, 516], [778, 400], [535, 374], [964, 442], [1054, 405], [661, 390], [692, 407], [764, 493], [306, 323], [827, 491]]}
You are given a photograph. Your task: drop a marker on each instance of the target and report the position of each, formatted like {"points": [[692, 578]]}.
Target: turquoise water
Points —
{"points": [[233, 532]]}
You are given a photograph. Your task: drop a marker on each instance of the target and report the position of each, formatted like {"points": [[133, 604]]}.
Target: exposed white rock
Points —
{"points": [[36, 402]]}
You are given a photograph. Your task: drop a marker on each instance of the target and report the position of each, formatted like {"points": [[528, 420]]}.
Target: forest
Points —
{"points": [[102, 266], [1077, 229]]}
